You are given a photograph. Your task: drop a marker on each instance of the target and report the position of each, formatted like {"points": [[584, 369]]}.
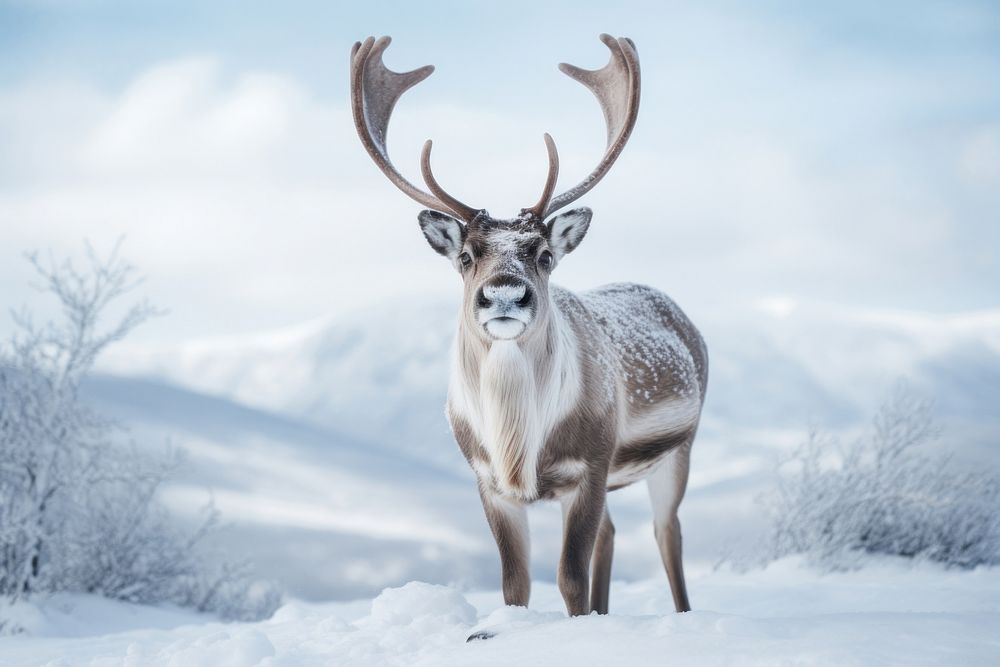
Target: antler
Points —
{"points": [[467, 213], [375, 89], [538, 210], [616, 86]]}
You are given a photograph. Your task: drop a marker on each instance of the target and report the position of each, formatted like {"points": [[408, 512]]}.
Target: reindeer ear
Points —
{"points": [[445, 234], [566, 230]]}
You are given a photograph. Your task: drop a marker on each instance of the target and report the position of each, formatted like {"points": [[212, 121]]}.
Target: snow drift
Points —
{"points": [[891, 613]]}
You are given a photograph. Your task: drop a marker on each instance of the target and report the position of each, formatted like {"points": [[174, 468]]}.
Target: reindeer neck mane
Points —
{"points": [[513, 393]]}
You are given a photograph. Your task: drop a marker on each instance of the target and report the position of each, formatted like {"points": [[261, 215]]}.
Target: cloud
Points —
{"points": [[247, 199], [177, 118], [234, 192], [980, 158]]}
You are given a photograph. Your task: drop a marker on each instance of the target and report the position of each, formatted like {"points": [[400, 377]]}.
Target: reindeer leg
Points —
{"points": [[666, 490], [582, 515], [601, 567], [509, 522]]}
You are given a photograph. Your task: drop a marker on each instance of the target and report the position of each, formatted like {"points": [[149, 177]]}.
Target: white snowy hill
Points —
{"points": [[327, 448], [325, 514], [380, 373]]}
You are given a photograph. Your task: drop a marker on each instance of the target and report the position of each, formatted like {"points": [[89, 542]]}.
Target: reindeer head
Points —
{"points": [[505, 263]]}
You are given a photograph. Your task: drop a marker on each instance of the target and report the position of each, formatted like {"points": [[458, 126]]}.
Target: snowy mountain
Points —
{"points": [[325, 514], [327, 447], [381, 373], [376, 374]]}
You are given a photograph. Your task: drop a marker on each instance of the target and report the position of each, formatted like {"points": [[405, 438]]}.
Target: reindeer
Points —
{"points": [[554, 395]]}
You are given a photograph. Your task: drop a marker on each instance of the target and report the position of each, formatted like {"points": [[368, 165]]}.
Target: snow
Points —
{"points": [[624, 311], [327, 447], [771, 370], [892, 612], [68, 615]]}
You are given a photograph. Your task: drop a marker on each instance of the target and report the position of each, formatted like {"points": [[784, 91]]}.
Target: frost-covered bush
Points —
{"points": [[891, 492], [79, 509]]}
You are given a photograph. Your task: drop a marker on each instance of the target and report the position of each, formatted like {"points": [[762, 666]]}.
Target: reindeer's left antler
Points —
{"points": [[616, 86]]}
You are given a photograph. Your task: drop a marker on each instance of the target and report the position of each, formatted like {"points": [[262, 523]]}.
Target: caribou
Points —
{"points": [[553, 394]]}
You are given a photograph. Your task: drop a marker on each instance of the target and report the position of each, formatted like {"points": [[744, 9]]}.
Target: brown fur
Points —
{"points": [[623, 406]]}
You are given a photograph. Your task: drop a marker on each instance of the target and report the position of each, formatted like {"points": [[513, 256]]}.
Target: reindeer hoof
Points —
{"points": [[482, 634]]}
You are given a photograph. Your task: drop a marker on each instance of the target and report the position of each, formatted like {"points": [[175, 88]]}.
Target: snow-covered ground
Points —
{"points": [[326, 449], [890, 613]]}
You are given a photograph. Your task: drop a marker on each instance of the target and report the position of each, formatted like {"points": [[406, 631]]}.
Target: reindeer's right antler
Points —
{"points": [[374, 92]]}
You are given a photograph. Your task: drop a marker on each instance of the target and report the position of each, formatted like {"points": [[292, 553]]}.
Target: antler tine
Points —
{"points": [[617, 88], [538, 210], [465, 212], [375, 89]]}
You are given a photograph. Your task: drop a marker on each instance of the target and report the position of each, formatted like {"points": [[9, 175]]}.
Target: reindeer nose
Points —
{"points": [[504, 294]]}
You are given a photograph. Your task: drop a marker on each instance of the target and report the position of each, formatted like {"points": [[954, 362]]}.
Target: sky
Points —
{"points": [[846, 154]]}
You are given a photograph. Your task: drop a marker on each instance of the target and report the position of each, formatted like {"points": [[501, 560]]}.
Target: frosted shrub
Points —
{"points": [[79, 509], [888, 493]]}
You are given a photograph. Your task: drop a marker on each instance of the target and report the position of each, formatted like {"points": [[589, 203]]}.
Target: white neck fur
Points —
{"points": [[511, 409]]}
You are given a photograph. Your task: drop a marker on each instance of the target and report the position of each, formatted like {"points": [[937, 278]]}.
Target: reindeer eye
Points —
{"points": [[545, 260], [466, 260]]}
